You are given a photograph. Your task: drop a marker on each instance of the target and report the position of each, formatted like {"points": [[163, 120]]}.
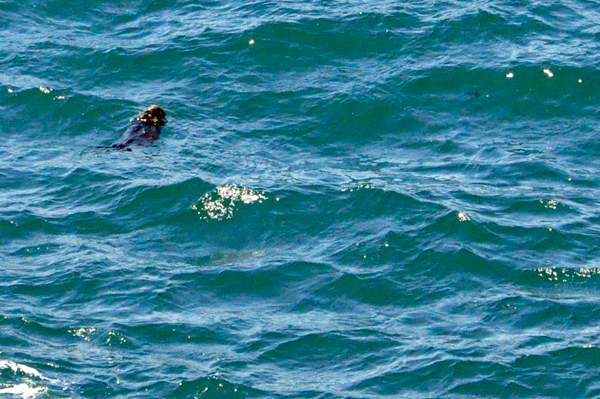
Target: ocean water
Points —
{"points": [[351, 199]]}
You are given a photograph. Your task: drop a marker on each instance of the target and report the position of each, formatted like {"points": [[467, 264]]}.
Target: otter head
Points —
{"points": [[154, 116]]}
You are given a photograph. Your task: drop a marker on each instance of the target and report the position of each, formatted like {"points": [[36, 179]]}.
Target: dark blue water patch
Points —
{"points": [[530, 92], [565, 364], [439, 376], [236, 284], [8, 6], [457, 226], [38, 101], [22, 225], [357, 119], [455, 260], [316, 40], [374, 291], [215, 387], [467, 27], [236, 277], [376, 252], [104, 119], [329, 350], [164, 201], [71, 287], [188, 336], [95, 386], [472, 386], [557, 313]]}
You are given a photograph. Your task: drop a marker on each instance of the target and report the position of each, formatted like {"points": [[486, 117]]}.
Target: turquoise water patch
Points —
{"points": [[349, 200]]}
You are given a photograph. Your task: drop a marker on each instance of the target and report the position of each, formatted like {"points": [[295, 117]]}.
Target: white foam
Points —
{"points": [[24, 390], [20, 367]]}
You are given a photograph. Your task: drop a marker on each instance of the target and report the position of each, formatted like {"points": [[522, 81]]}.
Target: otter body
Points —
{"points": [[144, 129]]}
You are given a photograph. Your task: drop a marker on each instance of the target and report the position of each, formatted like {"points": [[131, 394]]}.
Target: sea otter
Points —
{"points": [[144, 129]]}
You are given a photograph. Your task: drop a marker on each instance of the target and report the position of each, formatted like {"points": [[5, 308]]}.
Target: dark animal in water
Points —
{"points": [[144, 129]]}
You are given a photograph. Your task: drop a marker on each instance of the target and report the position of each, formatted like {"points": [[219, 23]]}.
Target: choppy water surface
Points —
{"points": [[351, 199]]}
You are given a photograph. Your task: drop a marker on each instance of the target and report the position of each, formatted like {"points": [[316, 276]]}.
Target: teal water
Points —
{"points": [[351, 199]]}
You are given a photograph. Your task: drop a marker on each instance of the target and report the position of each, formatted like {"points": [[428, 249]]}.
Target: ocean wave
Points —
{"points": [[20, 380]]}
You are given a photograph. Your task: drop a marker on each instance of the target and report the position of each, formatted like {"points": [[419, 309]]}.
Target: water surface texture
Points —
{"points": [[351, 199]]}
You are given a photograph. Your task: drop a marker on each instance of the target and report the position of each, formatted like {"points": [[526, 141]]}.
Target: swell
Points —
{"points": [[287, 39]]}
